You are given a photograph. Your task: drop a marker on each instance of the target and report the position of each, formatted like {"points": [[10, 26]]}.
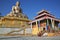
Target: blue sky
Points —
{"points": [[31, 7]]}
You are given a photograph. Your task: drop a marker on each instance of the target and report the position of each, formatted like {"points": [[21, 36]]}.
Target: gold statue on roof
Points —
{"points": [[17, 11], [16, 8]]}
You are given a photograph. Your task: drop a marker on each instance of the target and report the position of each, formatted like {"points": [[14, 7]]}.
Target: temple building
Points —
{"points": [[17, 23], [44, 21], [14, 22]]}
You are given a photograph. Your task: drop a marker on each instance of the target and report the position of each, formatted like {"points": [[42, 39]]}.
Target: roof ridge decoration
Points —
{"points": [[42, 11]]}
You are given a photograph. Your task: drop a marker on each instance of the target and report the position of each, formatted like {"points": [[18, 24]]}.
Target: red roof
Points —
{"points": [[44, 15], [44, 12]]}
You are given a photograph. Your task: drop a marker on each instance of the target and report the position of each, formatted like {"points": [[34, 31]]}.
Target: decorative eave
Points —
{"points": [[45, 18], [44, 14], [42, 11]]}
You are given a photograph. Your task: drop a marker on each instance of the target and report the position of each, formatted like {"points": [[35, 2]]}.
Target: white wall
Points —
{"points": [[4, 30], [28, 30], [7, 30]]}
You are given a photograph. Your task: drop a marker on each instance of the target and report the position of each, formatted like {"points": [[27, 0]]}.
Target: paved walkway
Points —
{"points": [[29, 38]]}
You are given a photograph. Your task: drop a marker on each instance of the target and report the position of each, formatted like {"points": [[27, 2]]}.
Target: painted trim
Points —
{"points": [[44, 18], [43, 14]]}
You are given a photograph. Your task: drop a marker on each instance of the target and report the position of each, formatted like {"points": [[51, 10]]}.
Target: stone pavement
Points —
{"points": [[29, 38]]}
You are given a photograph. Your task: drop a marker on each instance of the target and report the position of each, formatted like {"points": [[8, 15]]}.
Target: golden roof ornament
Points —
{"points": [[17, 11]]}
